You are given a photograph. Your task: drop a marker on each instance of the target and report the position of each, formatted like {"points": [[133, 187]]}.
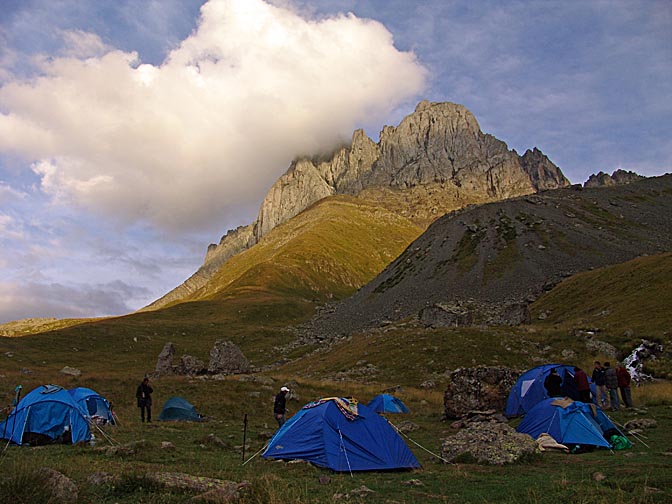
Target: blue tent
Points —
{"points": [[575, 423], [94, 404], [46, 414], [529, 388], [335, 434], [179, 409], [386, 403]]}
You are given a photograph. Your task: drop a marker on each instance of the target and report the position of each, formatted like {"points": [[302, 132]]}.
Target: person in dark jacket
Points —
{"points": [[553, 384], [624, 379], [611, 382], [144, 397], [582, 385], [279, 406], [601, 397]]}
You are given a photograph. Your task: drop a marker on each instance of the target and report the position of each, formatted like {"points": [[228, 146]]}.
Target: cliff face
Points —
{"points": [[439, 151], [619, 177]]}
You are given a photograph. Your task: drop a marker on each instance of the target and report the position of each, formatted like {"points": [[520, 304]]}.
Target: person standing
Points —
{"points": [[611, 382], [144, 396], [600, 388], [582, 385], [553, 384], [624, 380], [280, 406]]}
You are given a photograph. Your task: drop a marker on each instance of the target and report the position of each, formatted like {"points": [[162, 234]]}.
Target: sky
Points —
{"points": [[134, 133]]}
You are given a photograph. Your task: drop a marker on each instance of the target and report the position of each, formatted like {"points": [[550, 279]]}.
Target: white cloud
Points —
{"points": [[181, 143]]}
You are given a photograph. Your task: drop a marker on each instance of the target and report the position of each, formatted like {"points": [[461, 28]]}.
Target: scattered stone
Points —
{"points": [[70, 371], [164, 364], [167, 445], [9, 354], [429, 384], [641, 423], [25, 371], [478, 389], [488, 443], [212, 440], [466, 313], [62, 488], [361, 491], [598, 476], [324, 479], [413, 482], [102, 478], [407, 426]]}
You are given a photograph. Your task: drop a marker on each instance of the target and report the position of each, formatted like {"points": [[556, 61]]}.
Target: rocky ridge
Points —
{"points": [[437, 156], [507, 253]]}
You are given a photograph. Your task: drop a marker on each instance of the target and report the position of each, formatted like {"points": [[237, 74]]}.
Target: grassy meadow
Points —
{"points": [[114, 354]]}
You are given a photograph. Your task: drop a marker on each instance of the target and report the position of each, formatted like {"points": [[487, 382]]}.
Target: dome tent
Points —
{"points": [[341, 435], [570, 423], [46, 414], [386, 403], [180, 410], [529, 388], [94, 404]]}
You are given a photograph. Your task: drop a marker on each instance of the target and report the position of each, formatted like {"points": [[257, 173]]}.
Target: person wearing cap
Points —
{"points": [[279, 406]]}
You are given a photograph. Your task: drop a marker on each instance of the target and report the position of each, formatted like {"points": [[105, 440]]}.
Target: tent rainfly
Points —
{"points": [[180, 410], [386, 403], [570, 422], [342, 435], [529, 388], [46, 414], [94, 404]]}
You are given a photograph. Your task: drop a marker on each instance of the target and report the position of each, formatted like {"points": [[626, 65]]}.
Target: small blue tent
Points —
{"points": [[386, 403], [568, 422], [529, 388], [332, 433], [179, 409], [48, 413], [94, 404]]}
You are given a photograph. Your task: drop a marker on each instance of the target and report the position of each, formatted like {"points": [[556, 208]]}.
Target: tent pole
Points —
{"points": [[262, 449], [244, 434], [345, 452]]}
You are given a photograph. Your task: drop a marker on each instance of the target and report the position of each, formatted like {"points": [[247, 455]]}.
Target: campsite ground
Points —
{"points": [[641, 474]]}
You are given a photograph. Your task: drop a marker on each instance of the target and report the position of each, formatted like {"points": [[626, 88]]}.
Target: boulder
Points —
{"points": [[226, 358], [164, 364], [190, 365], [62, 488], [478, 389], [488, 443]]}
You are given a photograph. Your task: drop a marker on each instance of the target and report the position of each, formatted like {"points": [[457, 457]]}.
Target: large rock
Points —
{"points": [[619, 177], [488, 443], [190, 365], [478, 389], [164, 364], [226, 358], [62, 488]]}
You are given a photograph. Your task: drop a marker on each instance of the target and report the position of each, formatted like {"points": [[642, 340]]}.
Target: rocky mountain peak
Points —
{"points": [[619, 177], [439, 147]]}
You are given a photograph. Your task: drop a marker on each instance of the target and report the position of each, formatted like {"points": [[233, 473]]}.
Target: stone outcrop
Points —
{"points": [[164, 363], [439, 145], [619, 177], [477, 389], [190, 366], [226, 358], [488, 443]]}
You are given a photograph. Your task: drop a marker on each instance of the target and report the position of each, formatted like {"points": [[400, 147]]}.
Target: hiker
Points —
{"points": [[611, 382], [144, 396], [624, 379], [582, 385], [279, 406], [601, 397], [553, 384]]}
